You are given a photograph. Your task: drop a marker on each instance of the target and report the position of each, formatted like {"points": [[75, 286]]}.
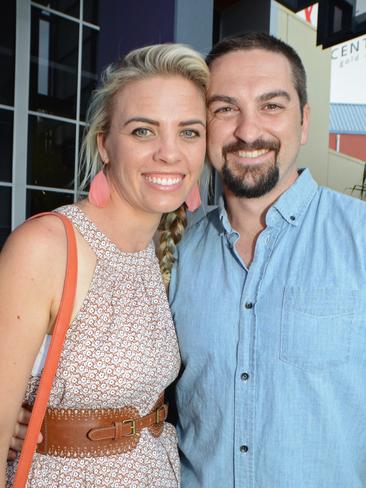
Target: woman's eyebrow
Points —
{"points": [[191, 122], [145, 120]]}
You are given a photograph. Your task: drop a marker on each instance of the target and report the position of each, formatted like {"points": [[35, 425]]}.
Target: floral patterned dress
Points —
{"points": [[120, 350]]}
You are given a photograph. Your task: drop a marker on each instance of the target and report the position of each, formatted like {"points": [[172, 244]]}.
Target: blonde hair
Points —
{"points": [[156, 60]]}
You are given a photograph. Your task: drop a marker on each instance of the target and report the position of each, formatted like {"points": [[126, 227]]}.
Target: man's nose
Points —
{"points": [[248, 127]]}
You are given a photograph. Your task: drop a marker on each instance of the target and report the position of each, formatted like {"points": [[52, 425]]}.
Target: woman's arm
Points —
{"points": [[32, 268]]}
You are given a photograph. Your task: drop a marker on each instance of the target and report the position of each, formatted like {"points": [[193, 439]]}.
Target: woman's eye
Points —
{"points": [[142, 132], [190, 133]]}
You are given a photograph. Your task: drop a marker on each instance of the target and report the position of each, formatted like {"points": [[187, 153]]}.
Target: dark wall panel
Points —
{"points": [[244, 16], [126, 25]]}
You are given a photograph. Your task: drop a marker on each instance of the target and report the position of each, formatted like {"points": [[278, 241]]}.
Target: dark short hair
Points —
{"points": [[261, 40]]}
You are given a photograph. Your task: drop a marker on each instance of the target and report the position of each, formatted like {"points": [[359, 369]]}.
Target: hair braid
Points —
{"points": [[172, 225]]}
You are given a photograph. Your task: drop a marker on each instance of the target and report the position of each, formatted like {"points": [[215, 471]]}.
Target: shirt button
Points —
{"points": [[249, 305], [244, 448], [292, 217], [244, 376]]}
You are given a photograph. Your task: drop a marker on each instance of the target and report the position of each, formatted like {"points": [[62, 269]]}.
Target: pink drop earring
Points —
{"points": [[99, 192], [193, 200]]}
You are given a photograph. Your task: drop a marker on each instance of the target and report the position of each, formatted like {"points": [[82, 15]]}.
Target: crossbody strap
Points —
{"points": [[61, 325]]}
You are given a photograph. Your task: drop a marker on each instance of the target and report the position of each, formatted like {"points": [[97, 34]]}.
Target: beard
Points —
{"points": [[250, 181]]}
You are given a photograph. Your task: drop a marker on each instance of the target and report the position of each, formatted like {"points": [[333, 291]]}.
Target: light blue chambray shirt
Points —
{"points": [[273, 388]]}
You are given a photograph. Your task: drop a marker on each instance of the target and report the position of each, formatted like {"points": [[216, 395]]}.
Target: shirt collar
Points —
{"points": [[224, 219], [295, 200], [291, 205]]}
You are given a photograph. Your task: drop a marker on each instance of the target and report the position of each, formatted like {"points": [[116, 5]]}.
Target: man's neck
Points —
{"points": [[248, 215]]}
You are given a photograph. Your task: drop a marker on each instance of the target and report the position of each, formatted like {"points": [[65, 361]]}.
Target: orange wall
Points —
{"points": [[353, 145]]}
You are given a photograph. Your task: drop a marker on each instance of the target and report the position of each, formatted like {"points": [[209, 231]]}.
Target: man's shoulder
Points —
{"points": [[339, 201], [196, 243], [344, 213], [199, 225], [200, 215], [205, 216]]}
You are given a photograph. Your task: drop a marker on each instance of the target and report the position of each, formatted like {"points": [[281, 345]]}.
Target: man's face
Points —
{"points": [[254, 121]]}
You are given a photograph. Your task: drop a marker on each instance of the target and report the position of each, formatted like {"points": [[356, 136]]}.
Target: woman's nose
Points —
{"points": [[168, 151]]}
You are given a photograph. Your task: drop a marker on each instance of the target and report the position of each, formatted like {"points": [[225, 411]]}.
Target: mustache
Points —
{"points": [[252, 146]]}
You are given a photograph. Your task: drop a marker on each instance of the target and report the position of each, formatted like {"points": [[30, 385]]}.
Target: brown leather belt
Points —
{"points": [[97, 432]]}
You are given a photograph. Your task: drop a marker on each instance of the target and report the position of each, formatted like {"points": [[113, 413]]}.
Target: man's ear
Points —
{"points": [[305, 124]]}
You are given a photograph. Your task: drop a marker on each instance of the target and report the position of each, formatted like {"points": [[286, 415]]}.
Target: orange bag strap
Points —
{"points": [[62, 323]]}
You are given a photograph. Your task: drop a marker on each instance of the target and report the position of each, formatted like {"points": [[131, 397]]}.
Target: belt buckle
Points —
{"points": [[132, 423], [158, 411]]}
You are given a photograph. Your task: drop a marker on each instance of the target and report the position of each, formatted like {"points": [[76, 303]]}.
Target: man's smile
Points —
{"points": [[252, 154]]}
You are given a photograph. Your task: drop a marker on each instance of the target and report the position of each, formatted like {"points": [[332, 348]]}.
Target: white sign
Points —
{"points": [[348, 66], [349, 72]]}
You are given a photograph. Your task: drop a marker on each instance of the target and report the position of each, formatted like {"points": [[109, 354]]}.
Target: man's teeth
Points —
{"points": [[252, 154], [163, 181]]}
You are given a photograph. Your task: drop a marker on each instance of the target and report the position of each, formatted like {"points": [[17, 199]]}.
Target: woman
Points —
{"points": [[146, 145]]}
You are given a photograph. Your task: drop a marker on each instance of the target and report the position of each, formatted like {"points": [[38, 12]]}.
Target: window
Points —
{"points": [[44, 92]]}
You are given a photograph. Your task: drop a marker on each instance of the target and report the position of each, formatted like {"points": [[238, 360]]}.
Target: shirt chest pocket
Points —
{"points": [[317, 326]]}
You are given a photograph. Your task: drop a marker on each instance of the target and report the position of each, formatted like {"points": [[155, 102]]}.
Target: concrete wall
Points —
{"points": [[329, 168], [302, 37], [346, 172]]}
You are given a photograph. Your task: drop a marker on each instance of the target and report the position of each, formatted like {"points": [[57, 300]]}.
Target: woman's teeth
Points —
{"points": [[163, 181]]}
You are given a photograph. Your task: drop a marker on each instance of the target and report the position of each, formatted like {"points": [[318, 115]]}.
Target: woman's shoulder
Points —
{"points": [[32, 269], [37, 240]]}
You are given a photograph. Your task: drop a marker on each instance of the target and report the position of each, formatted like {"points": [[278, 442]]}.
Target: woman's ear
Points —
{"points": [[101, 143]]}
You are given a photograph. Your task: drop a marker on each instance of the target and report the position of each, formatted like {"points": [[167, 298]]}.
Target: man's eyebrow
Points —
{"points": [[145, 120], [221, 98], [274, 94]]}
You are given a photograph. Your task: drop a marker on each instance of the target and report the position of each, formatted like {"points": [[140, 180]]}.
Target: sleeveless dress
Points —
{"points": [[120, 350]]}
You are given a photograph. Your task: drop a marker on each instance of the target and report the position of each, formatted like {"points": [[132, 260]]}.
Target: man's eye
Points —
{"points": [[190, 133], [271, 107], [222, 110], [142, 132]]}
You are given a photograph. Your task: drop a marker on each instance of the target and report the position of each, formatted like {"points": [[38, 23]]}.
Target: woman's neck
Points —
{"points": [[130, 229]]}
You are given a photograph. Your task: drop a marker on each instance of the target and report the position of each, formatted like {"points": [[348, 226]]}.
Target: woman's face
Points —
{"points": [[156, 144]]}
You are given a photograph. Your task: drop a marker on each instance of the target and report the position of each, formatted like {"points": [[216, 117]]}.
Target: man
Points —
{"points": [[269, 295]]}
